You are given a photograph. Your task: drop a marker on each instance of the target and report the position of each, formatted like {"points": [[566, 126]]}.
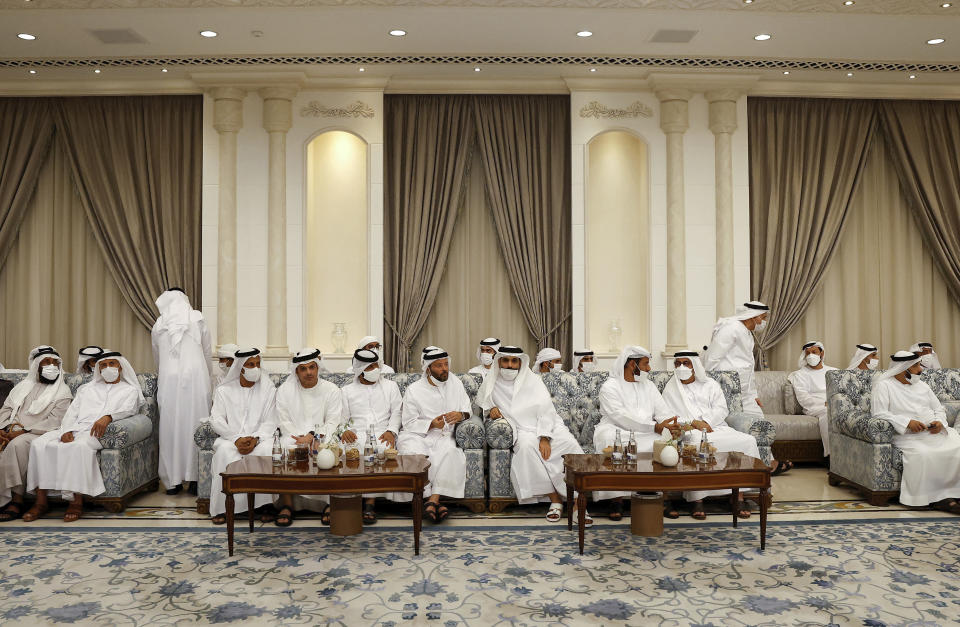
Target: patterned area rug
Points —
{"points": [[864, 572]]}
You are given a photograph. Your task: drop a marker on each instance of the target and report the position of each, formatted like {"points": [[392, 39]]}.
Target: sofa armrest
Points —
{"points": [[204, 436], [126, 431], [470, 433], [861, 425], [499, 434], [762, 429]]}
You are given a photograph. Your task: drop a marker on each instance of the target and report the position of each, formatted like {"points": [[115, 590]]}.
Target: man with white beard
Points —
{"points": [[181, 350], [485, 354], [432, 408], [372, 343], [513, 392], [548, 360], [34, 406], [698, 400], [65, 460], [931, 450], [928, 357], [583, 361], [810, 386], [864, 358], [243, 417]]}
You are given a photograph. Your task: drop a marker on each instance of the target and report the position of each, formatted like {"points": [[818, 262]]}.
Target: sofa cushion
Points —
{"points": [[790, 403], [795, 427], [770, 390]]}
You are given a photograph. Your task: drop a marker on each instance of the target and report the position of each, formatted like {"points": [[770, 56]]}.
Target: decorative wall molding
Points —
{"points": [[876, 7], [358, 109], [600, 111]]}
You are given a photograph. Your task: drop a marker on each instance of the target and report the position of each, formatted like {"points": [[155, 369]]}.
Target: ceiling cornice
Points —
{"points": [[99, 87], [817, 89]]}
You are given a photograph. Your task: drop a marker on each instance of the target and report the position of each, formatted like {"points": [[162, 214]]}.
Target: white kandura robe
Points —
{"points": [[810, 386], [931, 462], [628, 406], [372, 409], [183, 396], [732, 349], [422, 402], [704, 400], [240, 412], [68, 467], [480, 370], [531, 414]]}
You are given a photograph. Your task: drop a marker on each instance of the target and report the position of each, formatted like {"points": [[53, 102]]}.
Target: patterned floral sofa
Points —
{"points": [[864, 455], [577, 400], [130, 455], [470, 437], [798, 435]]}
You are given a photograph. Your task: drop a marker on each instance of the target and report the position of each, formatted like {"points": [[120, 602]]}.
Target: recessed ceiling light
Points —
{"points": [[946, 5], [164, 70], [762, 37], [363, 69], [585, 33], [593, 69], [849, 74], [786, 72], [96, 71], [935, 41], [27, 36], [396, 32], [208, 33], [476, 69], [748, 1], [33, 71], [913, 76], [849, 3]]}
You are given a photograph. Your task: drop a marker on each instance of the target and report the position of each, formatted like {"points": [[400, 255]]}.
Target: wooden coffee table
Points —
{"points": [[735, 471], [257, 475]]}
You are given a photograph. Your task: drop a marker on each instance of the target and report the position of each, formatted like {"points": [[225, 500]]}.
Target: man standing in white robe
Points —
{"points": [[34, 406], [372, 343], [583, 361], [931, 450], [181, 350], [698, 400], [731, 348], [432, 408], [629, 403], [864, 358], [65, 459], [513, 392], [928, 357], [307, 408], [485, 354], [243, 417], [548, 360], [810, 385], [371, 406]]}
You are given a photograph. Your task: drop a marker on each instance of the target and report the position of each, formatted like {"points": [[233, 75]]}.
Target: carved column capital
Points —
{"points": [[227, 109], [723, 110], [674, 117]]}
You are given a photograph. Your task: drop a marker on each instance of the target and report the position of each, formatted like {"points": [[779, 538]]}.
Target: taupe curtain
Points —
{"points": [[26, 131], [525, 145], [427, 147], [924, 142], [806, 160], [136, 162]]}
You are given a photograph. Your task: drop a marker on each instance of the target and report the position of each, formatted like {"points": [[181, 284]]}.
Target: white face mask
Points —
{"points": [[640, 375], [588, 366], [509, 374], [927, 361], [51, 372], [486, 359], [683, 372], [812, 359], [761, 326], [224, 368], [372, 375], [872, 364], [251, 374], [110, 374], [556, 368]]}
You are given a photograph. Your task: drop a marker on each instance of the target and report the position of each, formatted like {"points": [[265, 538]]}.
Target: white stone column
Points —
{"points": [[277, 120], [674, 121], [227, 120], [723, 123]]}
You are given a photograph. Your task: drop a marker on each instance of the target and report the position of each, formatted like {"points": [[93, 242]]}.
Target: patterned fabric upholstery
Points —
{"points": [[470, 433], [130, 456], [945, 383], [576, 397]]}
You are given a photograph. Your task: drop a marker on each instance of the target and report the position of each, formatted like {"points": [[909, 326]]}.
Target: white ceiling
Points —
{"points": [[870, 31]]}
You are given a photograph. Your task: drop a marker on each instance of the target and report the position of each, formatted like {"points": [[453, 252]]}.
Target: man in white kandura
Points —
{"points": [[86, 359], [34, 406], [243, 417], [810, 386], [583, 361], [864, 358], [485, 354], [931, 450], [928, 357], [432, 408], [548, 360], [65, 460], [371, 406], [698, 400], [224, 361], [307, 408], [731, 348], [512, 392], [630, 403], [181, 350], [372, 343]]}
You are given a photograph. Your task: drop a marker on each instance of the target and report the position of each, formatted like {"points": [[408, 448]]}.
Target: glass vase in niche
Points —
{"points": [[338, 337], [614, 331]]}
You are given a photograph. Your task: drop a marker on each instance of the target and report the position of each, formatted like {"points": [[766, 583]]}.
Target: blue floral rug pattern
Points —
{"points": [[858, 573]]}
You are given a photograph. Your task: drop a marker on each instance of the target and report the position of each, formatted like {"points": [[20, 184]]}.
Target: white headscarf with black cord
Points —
{"points": [[52, 392], [674, 388], [578, 356], [86, 354], [933, 358], [901, 361], [863, 351], [492, 342], [802, 361]]}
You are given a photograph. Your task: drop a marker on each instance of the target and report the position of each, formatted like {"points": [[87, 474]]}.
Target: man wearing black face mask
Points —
{"points": [[36, 405]]}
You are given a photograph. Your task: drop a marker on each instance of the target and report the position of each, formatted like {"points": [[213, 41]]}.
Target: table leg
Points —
{"points": [[250, 509], [734, 505], [763, 519], [581, 517], [229, 514], [569, 505], [417, 519]]}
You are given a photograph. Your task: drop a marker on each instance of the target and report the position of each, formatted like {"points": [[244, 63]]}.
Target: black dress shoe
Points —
{"points": [[175, 490], [193, 488]]}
